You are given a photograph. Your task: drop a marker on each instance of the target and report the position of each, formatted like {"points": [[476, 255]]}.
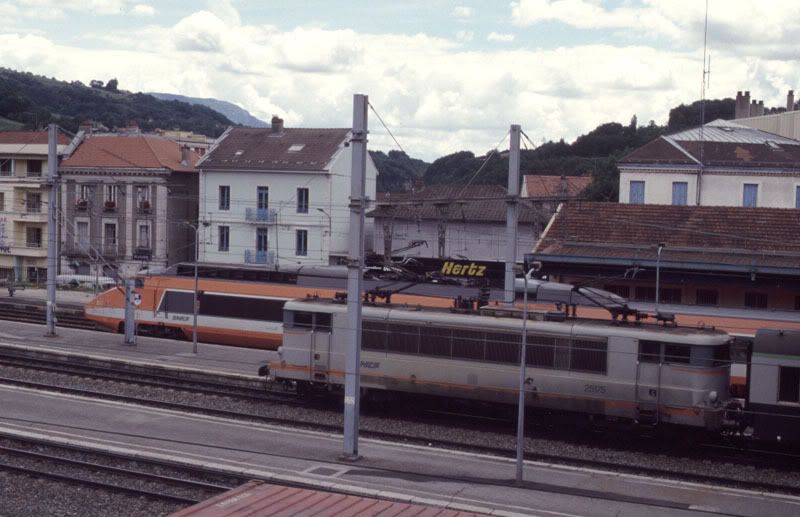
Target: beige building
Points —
{"points": [[23, 204]]}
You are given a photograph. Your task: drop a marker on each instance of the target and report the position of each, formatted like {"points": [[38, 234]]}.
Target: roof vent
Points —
{"points": [[774, 145], [727, 129], [296, 148], [238, 153]]}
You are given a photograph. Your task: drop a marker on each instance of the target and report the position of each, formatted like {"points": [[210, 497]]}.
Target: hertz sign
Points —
{"points": [[471, 269]]}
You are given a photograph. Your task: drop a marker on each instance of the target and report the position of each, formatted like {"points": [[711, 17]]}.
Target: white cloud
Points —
{"points": [[462, 11], [500, 36], [465, 36], [437, 95], [143, 10]]}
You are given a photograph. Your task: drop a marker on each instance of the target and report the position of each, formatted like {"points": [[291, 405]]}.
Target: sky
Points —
{"points": [[444, 76]]}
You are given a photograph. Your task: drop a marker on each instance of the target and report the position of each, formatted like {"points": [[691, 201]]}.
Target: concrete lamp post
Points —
{"points": [[196, 228]]}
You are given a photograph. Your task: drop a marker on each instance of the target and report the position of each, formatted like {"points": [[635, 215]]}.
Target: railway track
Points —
{"points": [[31, 312], [114, 473], [751, 458]]}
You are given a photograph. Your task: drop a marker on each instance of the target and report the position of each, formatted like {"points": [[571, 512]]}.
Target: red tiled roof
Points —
{"points": [[262, 149], [549, 186], [30, 137], [129, 151], [451, 202], [707, 234]]}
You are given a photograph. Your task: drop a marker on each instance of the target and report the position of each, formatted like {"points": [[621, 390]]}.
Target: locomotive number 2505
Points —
{"points": [[594, 388]]}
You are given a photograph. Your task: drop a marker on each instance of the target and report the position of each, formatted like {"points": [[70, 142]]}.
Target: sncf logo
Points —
{"points": [[457, 269]]}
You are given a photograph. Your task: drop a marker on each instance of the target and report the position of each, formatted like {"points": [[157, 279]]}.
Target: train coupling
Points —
{"points": [[734, 416]]}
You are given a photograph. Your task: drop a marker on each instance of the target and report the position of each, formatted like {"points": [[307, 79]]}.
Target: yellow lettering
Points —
{"points": [[447, 268], [481, 270], [457, 269], [472, 269]]}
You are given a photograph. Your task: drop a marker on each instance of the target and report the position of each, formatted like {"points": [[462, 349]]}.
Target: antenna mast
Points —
{"points": [[706, 74]]}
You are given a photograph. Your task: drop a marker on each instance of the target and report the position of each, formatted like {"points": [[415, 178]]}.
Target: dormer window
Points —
{"points": [[774, 145], [296, 148]]}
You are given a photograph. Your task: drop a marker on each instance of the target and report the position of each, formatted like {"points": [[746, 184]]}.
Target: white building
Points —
{"points": [[728, 165], [23, 203], [278, 196]]}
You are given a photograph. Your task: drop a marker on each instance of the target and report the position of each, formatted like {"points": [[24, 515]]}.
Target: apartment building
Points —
{"points": [[23, 203], [278, 196]]}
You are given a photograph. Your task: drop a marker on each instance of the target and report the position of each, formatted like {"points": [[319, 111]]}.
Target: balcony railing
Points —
{"points": [[110, 249], [261, 215], [259, 257], [142, 253]]}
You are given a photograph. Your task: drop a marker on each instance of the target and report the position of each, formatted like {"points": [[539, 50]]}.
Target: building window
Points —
{"points": [[224, 198], [111, 194], [33, 237], [670, 294], [224, 238], [262, 239], [620, 290], [636, 196], [302, 201], [85, 192], [34, 167], [33, 202], [789, 384], [707, 297], [110, 234], [6, 167], [680, 190], [750, 195], [143, 237], [644, 293], [262, 198], [797, 197], [755, 300], [82, 233], [301, 243], [2, 201]]}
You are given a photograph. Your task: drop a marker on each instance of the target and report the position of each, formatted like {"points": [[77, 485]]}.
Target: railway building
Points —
{"points": [[23, 206], [451, 222], [126, 199], [278, 196], [710, 256], [724, 163]]}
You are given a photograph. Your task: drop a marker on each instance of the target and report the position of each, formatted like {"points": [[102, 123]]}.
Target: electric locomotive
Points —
{"points": [[645, 373]]}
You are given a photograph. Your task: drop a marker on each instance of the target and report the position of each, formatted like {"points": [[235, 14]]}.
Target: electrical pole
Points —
{"points": [[52, 222], [511, 212], [355, 267], [130, 312]]}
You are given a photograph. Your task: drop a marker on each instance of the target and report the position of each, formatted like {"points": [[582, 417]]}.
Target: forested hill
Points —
{"points": [[30, 101]]}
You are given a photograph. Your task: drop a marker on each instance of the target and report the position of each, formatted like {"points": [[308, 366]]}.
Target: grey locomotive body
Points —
{"points": [[644, 373]]}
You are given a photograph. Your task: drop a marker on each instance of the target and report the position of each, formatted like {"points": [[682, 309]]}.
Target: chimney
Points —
{"points": [[277, 124], [790, 101], [185, 156], [760, 109], [746, 104]]}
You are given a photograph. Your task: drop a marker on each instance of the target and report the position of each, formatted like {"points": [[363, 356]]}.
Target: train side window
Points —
{"points": [[322, 321], [541, 353], [789, 384], [303, 319], [502, 347], [589, 356], [562, 354], [177, 302], [649, 351], [240, 307], [435, 341], [373, 335], [677, 353], [403, 339], [468, 344]]}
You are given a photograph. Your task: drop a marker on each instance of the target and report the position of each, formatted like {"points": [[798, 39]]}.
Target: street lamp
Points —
{"points": [[661, 246], [196, 228], [330, 224]]}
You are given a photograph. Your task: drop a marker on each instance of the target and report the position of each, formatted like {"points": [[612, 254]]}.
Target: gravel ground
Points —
{"points": [[24, 496], [61, 498], [563, 442]]}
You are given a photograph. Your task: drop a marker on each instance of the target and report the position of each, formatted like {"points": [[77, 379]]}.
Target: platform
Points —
{"points": [[463, 481]]}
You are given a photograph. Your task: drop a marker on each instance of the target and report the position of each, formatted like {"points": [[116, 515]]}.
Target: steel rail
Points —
{"points": [[637, 469]]}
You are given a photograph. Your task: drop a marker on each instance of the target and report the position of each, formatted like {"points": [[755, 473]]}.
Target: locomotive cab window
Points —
{"points": [[177, 302], [789, 384], [649, 351], [677, 353], [318, 321]]}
